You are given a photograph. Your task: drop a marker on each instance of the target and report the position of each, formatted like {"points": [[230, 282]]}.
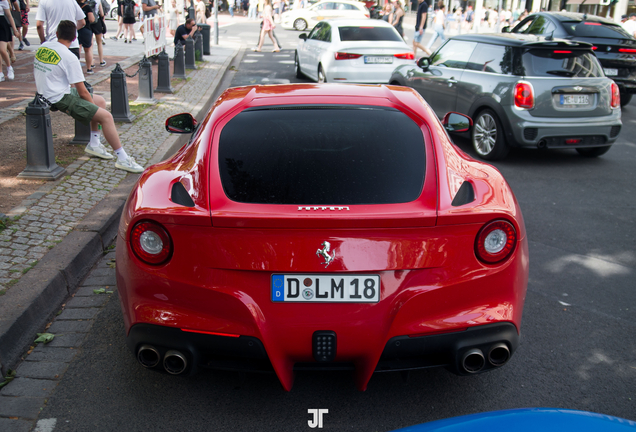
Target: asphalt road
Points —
{"points": [[578, 336]]}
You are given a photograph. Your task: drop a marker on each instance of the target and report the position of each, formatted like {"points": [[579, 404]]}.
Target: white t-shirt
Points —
{"points": [[55, 68], [51, 12], [629, 26], [4, 4]]}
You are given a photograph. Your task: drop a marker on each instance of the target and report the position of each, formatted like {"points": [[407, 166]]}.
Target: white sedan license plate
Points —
{"points": [[333, 288], [378, 60], [611, 72], [575, 99]]}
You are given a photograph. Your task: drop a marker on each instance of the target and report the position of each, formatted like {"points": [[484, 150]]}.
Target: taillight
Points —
{"points": [[562, 52], [616, 96], [151, 243], [627, 50], [405, 56], [524, 95], [347, 56], [594, 48], [495, 242]]}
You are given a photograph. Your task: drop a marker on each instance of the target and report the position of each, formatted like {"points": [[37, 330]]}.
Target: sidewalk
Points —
{"points": [[67, 225]]}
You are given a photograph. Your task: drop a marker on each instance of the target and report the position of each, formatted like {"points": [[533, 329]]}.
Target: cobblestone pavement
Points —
{"points": [[45, 365], [48, 215]]}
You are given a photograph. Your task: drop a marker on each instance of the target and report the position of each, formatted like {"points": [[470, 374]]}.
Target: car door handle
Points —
{"points": [[452, 81]]}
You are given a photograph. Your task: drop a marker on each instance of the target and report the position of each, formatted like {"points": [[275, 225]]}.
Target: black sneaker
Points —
{"points": [[26, 42], [89, 72]]}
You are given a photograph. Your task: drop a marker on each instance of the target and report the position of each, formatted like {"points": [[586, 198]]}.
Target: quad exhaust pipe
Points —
{"points": [[474, 360], [174, 362]]}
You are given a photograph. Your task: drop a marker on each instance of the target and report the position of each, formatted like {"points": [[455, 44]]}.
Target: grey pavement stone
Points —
{"points": [[29, 387], [41, 370], [15, 425], [53, 354], [75, 314], [62, 327], [68, 340], [100, 280], [23, 407], [87, 302]]}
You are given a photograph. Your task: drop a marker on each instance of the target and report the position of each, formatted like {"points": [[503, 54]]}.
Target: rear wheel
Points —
{"points": [[322, 78], [488, 137], [593, 151], [625, 98], [299, 74], [300, 24]]}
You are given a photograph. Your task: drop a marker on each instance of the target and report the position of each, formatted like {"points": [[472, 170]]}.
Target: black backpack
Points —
{"points": [[129, 9]]}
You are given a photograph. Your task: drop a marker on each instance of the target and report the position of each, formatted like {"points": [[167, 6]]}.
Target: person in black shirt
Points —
{"points": [[420, 26], [185, 31]]}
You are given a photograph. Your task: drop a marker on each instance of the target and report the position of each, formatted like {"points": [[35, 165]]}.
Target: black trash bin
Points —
{"points": [[205, 31]]}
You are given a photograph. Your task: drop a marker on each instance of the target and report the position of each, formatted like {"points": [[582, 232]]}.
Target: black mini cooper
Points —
{"points": [[613, 46]]}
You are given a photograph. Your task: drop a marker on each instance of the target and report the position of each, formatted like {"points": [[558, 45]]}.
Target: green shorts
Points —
{"points": [[78, 108]]}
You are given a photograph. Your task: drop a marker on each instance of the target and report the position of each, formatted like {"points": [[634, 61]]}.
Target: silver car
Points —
{"points": [[521, 91]]}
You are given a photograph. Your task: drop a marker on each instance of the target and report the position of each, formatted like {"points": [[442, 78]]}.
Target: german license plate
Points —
{"points": [[575, 99], [334, 288], [611, 72], [378, 59]]}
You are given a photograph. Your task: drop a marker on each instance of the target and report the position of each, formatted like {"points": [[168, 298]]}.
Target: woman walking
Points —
{"points": [[85, 35], [99, 29], [398, 17], [127, 10], [7, 26], [438, 24], [268, 27]]}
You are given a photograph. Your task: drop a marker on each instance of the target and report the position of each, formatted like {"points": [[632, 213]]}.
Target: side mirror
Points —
{"points": [[456, 122], [302, 36], [424, 63], [505, 29], [182, 123]]}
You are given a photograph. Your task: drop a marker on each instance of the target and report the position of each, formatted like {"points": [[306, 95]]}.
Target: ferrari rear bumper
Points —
{"points": [[460, 352]]}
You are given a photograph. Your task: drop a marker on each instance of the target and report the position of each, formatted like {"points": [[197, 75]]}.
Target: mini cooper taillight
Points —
{"points": [[524, 95], [151, 243], [616, 96], [495, 242]]}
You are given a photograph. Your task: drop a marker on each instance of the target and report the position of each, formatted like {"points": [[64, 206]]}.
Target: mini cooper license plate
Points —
{"points": [[333, 288], [378, 60], [575, 99], [610, 72]]}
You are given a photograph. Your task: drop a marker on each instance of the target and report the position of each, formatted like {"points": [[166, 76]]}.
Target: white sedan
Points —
{"points": [[307, 18], [351, 51]]}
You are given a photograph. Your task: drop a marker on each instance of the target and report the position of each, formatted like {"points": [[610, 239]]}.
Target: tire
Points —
{"points": [[625, 98], [299, 74], [322, 78], [488, 136], [593, 151], [300, 24]]}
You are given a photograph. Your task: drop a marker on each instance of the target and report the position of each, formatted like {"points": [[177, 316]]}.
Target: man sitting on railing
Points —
{"points": [[55, 69]]}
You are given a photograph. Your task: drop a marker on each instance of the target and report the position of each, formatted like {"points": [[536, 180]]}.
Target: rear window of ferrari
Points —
{"points": [[369, 34], [322, 155]]}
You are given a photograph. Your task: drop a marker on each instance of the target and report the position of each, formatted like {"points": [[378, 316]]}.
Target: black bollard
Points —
{"points": [[82, 131], [119, 96], [179, 62], [198, 46], [163, 73], [145, 82], [40, 154], [205, 32], [189, 54]]}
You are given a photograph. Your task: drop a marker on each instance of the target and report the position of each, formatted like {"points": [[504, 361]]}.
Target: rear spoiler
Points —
{"points": [[557, 43]]}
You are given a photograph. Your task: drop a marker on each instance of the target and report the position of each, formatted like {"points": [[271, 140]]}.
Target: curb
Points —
{"points": [[29, 305]]}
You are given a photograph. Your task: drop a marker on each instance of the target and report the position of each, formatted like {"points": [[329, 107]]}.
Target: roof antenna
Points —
{"points": [[551, 37], [584, 13]]}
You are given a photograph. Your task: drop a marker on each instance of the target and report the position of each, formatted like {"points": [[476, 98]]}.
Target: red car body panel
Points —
{"points": [[219, 277]]}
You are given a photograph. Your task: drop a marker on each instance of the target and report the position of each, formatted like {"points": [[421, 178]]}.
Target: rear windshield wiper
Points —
{"points": [[561, 73]]}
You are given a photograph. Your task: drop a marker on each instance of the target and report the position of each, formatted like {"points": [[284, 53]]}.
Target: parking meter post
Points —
{"points": [[82, 131], [163, 73], [39, 136], [189, 54], [145, 82], [198, 46], [179, 62], [205, 32], [119, 96]]}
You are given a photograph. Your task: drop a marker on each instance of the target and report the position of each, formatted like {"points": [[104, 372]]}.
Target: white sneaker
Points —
{"points": [[129, 165], [99, 151], [1, 77], [10, 74]]}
